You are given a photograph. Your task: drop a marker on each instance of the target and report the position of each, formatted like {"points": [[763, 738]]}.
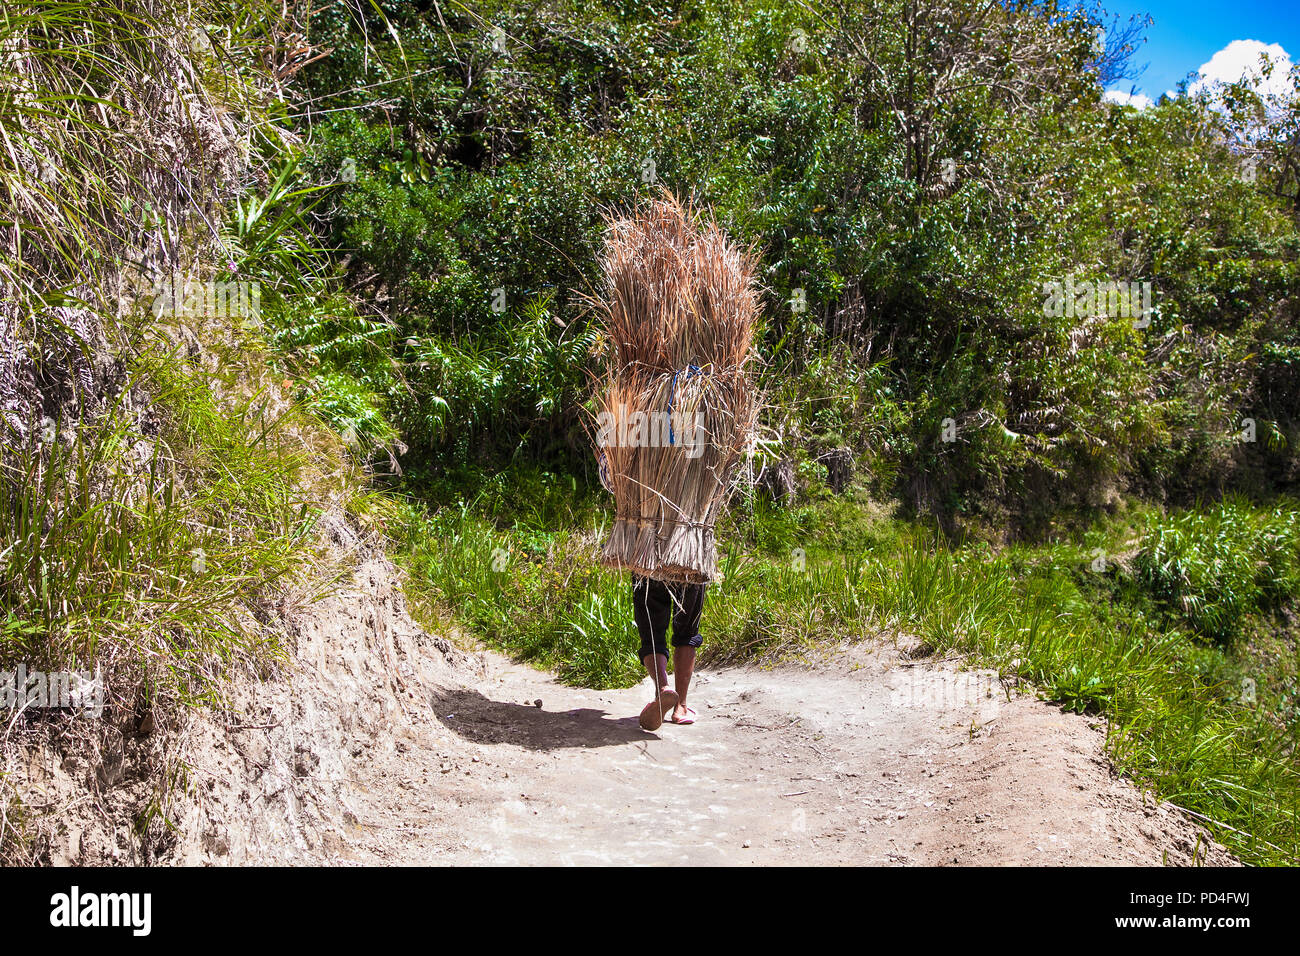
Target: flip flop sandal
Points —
{"points": [[688, 719], [653, 713]]}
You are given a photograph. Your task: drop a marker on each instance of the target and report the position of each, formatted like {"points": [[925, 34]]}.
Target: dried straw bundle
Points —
{"points": [[677, 404]]}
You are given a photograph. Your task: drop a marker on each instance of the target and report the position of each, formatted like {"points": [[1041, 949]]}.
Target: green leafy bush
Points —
{"points": [[1218, 565]]}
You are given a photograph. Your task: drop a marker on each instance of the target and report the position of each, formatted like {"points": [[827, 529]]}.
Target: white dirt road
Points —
{"points": [[861, 758]]}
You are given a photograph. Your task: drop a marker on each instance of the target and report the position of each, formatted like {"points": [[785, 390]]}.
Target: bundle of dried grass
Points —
{"points": [[677, 404]]}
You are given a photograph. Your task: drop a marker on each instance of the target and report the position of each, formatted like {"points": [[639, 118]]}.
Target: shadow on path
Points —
{"points": [[471, 716]]}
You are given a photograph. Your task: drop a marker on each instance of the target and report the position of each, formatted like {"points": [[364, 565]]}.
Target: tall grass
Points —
{"points": [[157, 491], [1218, 565], [536, 597], [679, 305], [144, 553]]}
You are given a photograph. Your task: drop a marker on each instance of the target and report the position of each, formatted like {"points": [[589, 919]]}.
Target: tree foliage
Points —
{"points": [[916, 174]]}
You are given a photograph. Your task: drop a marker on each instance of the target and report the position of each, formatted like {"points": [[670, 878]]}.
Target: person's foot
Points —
{"points": [[683, 715], [653, 714]]}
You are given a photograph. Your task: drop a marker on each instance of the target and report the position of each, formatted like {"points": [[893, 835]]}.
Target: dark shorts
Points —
{"points": [[656, 604]]}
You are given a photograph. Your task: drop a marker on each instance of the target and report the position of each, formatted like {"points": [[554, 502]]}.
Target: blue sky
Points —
{"points": [[1187, 34]]}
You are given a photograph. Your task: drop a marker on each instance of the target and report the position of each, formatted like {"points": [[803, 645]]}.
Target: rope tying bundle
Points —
{"points": [[641, 521]]}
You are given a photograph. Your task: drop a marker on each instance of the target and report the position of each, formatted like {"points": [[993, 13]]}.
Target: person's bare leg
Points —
{"points": [[653, 714], [683, 669], [658, 674]]}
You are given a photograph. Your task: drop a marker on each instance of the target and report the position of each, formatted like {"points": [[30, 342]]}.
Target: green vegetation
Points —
{"points": [[1220, 566], [472, 202], [1103, 510], [159, 490]]}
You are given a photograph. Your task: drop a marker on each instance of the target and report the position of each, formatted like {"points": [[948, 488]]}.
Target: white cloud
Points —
{"points": [[1139, 100], [1241, 59]]}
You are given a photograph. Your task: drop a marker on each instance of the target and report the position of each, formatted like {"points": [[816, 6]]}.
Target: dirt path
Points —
{"points": [[381, 743], [858, 759]]}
